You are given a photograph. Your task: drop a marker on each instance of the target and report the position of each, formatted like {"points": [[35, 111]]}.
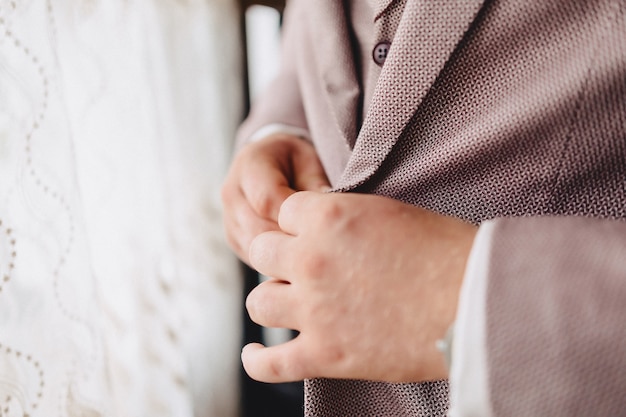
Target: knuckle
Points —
{"points": [[331, 356], [330, 212], [313, 264], [275, 370], [324, 360], [285, 370], [261, 203]]}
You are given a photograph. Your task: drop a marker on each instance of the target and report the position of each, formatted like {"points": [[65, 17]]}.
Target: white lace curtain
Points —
{"points": [[118, 296]]}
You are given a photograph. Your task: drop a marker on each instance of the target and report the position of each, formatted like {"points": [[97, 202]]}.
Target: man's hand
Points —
{"points": [[261, 177], [369, 282]]}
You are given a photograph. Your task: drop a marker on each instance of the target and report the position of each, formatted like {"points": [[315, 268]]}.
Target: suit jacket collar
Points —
{"points": [[427, 34], [379, 6]]}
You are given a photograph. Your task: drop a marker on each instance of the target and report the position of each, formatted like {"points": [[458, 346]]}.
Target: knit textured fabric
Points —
{"points": [[505, 110]]}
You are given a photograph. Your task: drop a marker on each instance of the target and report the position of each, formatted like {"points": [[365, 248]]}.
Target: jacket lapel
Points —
{"points": [[379, 6], [338, 74], [427, 35]]}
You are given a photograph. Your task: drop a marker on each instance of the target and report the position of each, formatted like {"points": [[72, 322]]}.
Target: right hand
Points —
{"points": [[262, 175]]}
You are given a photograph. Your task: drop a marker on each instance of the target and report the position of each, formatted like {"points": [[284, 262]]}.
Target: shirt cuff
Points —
{"points": [[469, 388], [274, 128]]}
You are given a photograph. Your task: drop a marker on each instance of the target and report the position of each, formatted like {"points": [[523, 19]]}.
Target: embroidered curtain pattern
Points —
{"points": [[118, 296]]}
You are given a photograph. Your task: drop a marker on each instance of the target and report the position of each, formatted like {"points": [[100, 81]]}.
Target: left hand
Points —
{"points": [[369, 282]]}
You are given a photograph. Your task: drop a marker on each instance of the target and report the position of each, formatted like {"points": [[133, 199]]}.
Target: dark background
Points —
{"points": [[259, 399]]}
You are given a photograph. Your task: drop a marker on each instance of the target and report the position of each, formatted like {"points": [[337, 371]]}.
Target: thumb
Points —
{"points": [[282, 363], [309, 174], [313, 183]]}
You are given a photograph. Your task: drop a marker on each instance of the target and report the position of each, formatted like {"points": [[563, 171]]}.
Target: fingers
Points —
{"points": [[273, 304], [309, 172], [266, 190], [283, 363], [242, 224], [305, 208], [273, 254], [262, 177], [277, 167]]}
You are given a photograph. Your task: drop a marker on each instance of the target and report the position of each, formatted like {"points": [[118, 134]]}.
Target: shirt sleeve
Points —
{"points": [[281, 102], [469, 389], [276, 128]]}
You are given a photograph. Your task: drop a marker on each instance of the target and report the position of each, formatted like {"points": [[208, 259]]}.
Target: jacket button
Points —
{"points": [[380, 52]]}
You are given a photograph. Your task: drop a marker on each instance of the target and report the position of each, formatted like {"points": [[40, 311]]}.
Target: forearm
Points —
{"points": [[281, 102]]}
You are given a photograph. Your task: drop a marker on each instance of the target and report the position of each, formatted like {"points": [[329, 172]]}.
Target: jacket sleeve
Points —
{"points": [[280, 103], [556, 317], [541, 323]]}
